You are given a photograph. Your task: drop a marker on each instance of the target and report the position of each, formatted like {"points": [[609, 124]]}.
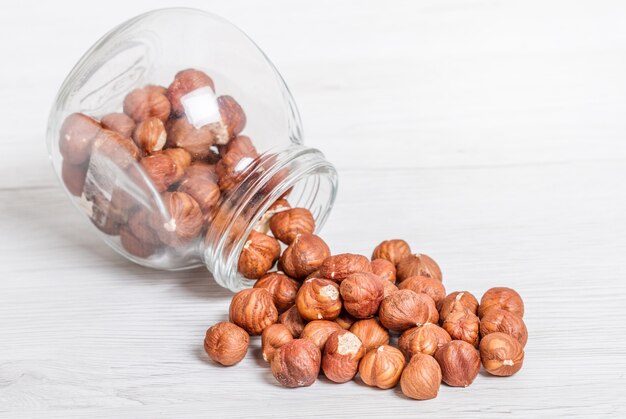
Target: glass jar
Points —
{"points": [[183, 79]]}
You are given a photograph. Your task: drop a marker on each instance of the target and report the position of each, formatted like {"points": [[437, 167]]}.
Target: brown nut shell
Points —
{"points": [[73, 176], [459, 362], [501, 298], [384, 269], [296, 363], [186, 81], [345, 320], [287, 224], [371, 333], [226, 343], [258, 255], [304, 255], [424, 285], [404, 309], [501, 354], [253, 310], [362, 293], [339, 267], [134, 245], [382, 367], [457, 301], [318, 299], [418, 265], [505, 322], [462, 325], [392, 250], [272, 338], [161, 170], [341, 356], [197, 141], [425, 339], [77, 136], [282, 288], [318, 331], [232, 115], [120, 150], [204, 190], [421, 378], [185, 223], [120, 123], [146, 102], [150, 135], [293, 321]]}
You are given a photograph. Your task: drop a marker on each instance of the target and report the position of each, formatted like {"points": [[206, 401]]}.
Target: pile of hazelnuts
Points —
{"points": [[340, 313], [192, 167]]}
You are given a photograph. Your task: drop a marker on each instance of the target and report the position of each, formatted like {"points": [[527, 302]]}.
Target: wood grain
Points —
{"points": [[488, 134]]}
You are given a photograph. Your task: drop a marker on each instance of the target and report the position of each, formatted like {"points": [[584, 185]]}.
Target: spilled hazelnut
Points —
{"points": [[418, 264], [404, 309], [318, 299], [296, 363], [282, 288], [318, 331], [425, 339], [501, 354], [392, 250], [503, 321], [253, 310], [293, 321], [384, 269], [362, 293], [287, 224], [272, 338], [341, 356], [459, 362], [503, 298], [421, 378], [339, 267], [226, 343], [425, 285], [371, 333], [382, 367], [258, 255], [462, 325], [304, 255]]}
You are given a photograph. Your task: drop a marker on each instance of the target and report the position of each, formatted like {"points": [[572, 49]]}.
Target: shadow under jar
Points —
{"points": [[174, 135]]}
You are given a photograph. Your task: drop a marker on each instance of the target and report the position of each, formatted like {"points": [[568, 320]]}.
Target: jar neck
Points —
{"points": [[300, 174]]}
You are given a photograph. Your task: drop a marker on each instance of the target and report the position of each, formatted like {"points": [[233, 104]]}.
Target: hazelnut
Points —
{"points": [[204, 190], [73, 176], [345, 320], [241, 145], [304, 255], [318, 299], [263, 225], [424, 285], [197, 141], [181, 158], [505, 322], [161, 170], [342, 353], [120, 150], [404, 309], [425, 339], [185, 223], [371, 333], [388, 288], [146, 102], [226, 343], [77, 136], [341, 266], [272, 338], [296, 363], [462, 325], [318, 331], [186, 81], [382, 367], [421, 378], [236, 162], [286, 225], [501, 354], [418, 264], [232, 115], [282, 288], [140, 227], [150, 135], [253, 310], [457, 301], [293, 321], [362, 293], [258, 255], [314, 274], [392, 250], [120, 123], [134, 245], [459, 363], [201, 170], [384, 269], [100, 211], [503, 298]]}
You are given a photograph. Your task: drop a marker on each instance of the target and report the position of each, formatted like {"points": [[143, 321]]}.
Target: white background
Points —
{"points": [[489, 134]]}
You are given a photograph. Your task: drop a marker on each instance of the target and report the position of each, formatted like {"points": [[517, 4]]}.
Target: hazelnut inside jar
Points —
{"points": [[175, 151]]}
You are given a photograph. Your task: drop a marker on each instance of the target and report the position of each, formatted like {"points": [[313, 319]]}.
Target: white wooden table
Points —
{"points": [[489, 134]]}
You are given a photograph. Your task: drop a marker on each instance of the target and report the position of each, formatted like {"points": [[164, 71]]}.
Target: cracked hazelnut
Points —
{"points": [[120, 123], [226, 343], [232, 115], [134, 245], [161, 170], [384, 269], [362, 293], [345, 320], [421, 378], [253, 310], [120, 150], [296, 363], [404, 309], [186, 81], [282, 288], [425, 339], [185, 223], [339, 267], [263, 225], [501, 298], [462, 325], [424, 285], [197, 141], [459, 362], [382, 367], [342, 353], [272, 338], [318, 299], [258, 255], [371, 333], [318, 331], [501, 354], [304, 255], [418, 264], [146, 102], [287, 224], [457, 301], [505, 322], [73, 176], [77, 136], [392, 250], [293, 321], [150, 135]]}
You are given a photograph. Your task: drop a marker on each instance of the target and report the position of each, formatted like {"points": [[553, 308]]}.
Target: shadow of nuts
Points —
{"points": [[258, 255], [226, 343], [418, 264], [392, 250], [287, 224], [304, 255], [382, 367], [421, 378], [425, 339], [253, 310], [272, 338], [318, 299], [339, 267], [459, 362], [362, 293], [341, 356], [296, 363]]}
